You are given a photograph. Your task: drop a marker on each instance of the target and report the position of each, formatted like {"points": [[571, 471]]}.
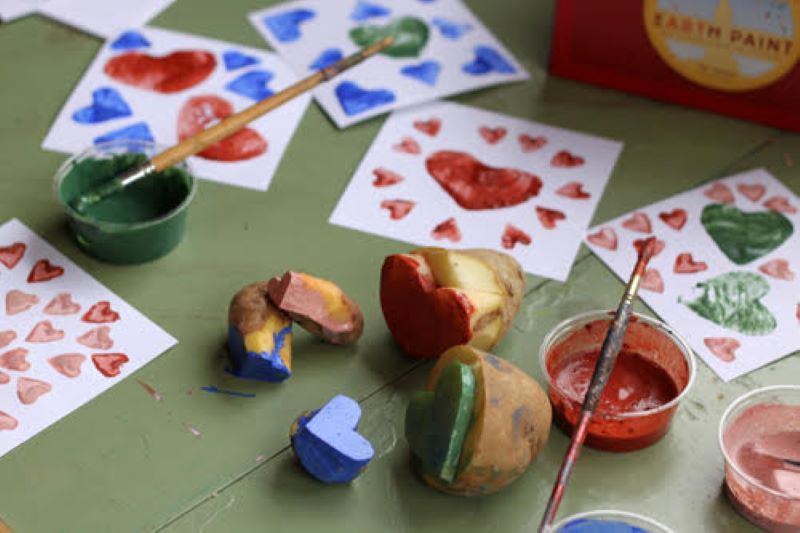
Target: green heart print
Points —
{"points": [[732, 301], [410, 36], [744, 237]]}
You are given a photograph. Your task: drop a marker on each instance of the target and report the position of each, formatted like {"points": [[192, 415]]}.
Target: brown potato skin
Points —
{"points": [[510, 425], [250, 307]]}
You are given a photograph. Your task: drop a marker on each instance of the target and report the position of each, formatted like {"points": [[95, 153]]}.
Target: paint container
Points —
{"points": [[609, 522], [756, 433], [653, 372], [140, 223]]}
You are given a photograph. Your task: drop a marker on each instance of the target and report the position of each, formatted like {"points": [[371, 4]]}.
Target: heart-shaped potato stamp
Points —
{"points": [[745, 237]]}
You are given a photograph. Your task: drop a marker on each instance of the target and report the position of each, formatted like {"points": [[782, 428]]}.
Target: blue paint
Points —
{"points": [[427, 72], [367, 10], [106, 104], [327, 444], [498, 363], [252, 84], [451, 29], [234, 59], [216, 390], [138, 131], [488, 60], [583, 525], [286, 26], [130, 40], [328, 57], [264, 366], [355, 100]]}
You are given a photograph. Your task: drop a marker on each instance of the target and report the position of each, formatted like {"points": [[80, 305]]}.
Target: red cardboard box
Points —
{"points": [[736, 57]]}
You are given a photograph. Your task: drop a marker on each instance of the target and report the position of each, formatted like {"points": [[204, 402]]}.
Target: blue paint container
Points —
{"points": [[607, 521]]}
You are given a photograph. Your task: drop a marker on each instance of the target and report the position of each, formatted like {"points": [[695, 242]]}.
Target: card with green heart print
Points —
{"points": [[726, 275]]}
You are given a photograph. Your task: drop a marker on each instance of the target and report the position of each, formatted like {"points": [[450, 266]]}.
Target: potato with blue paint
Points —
{"points": [[259, 336]]}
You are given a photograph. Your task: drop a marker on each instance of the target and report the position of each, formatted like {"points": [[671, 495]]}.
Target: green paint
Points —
{"points": [[732, 301], [437, 422], [744, 237], [410, 34]]}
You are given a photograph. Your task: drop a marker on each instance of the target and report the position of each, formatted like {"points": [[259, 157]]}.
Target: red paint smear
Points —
{"points": [[753, 192], [529, 143], [720, 192], [447, 230], [574, 190], [638, 222], [100, 313], [7, 337], [15, 359], [429, 127], [778, 269], [18, 301], [407, 146], [566, 159], [62, 304], [605, 238], [109, 364], [172, 73], [45, 332], [492, 135], [724, 348], [686, 264], [780, 204], [658, 247], [398, 209], [7, 422], [68, 364], [43, 271], [549, 217], [512, 236], [150, 390], [675, 219], [11, 255], [385, 177], [97, 338], [29, 390], [652, 281], [4, 378]]}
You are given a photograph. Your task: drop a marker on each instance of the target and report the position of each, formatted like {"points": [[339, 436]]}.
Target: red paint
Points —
{"points": [[7, 422], [172, 73], [605, 238], [658, 247], [474, 185], [720, 192], [4, 378], [574, 190], [97, 338], [513, 235], [68, 364], [638, 222], [109, 364], [407, 146], [652, 281], [675, 219], [492, 135], [11, 255], [385, 177], [566, 159], [447, 230], [100, 313], [29, 390], [686, 264], [43, 270], [549, 217], [429, 127], [778, 269], [753, 192], [780, 204], [44, 332], [62, 304], [15, 359], [18, 301], [201, 111], [7, 337], [398, 209], [529, 143]]}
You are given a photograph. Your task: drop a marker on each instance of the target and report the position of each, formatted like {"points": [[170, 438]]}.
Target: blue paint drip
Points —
{"points": [[367, 10], [583, 525], [286, 26], [138, 131], [355, 100], [450, 29], [264, 366], [427, 72], [252, 84], [107, 104], [487, 60], [130, 40], [216, 390], [234, 59], [327, 58]]}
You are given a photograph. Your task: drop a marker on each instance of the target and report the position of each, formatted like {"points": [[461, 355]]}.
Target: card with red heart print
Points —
{"points": [[64, 337], [94, 17], [165, 86], [469, 182], [727, 273]]}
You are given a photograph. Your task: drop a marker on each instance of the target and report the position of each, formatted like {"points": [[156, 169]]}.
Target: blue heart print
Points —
{"points": [[252, 84], [366, 10], [130, 40], [427, 72], [139, 131], [450, 29], [327, 58], [234, 59], [355, 100], [487, 60], [286, 26], [107, 104]]}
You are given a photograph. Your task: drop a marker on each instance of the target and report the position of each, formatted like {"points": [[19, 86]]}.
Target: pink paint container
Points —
{"points": [[758, 433]]}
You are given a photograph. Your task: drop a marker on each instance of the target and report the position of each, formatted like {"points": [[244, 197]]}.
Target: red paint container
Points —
{"points": [[652, 374]]}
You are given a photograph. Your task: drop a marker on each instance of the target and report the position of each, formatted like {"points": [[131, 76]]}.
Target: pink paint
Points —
{"points": [[68, 364], [62, 304], [7, 422], [29, 390], [18, 301], [7, 337], [100, 313], [150, 390], [15, 360], [97, 338], [45, 332]]}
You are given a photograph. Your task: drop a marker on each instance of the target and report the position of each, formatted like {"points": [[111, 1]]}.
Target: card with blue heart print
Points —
{"points": [[441, 49], [165, 86]]}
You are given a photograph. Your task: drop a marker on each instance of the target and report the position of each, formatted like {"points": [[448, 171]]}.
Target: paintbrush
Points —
{"points": [[602, 371], [224, 128]]}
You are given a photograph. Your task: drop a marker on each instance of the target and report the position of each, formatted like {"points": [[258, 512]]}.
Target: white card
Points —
{"points": [[101, 17], [422, 182], [12, 9], [459, 54], [745, 320], [216, 79], [64, 338]]}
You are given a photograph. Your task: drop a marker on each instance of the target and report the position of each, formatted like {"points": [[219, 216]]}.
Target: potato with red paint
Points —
{"points": [[434, 298]]}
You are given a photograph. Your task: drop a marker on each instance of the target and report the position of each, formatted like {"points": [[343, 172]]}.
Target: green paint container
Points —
{"points": [[141, 223]]}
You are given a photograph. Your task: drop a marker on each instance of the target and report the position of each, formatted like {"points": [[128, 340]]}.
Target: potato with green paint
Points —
{"points": [[508, 423]]}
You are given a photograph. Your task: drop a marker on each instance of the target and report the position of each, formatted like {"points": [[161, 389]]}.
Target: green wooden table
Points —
{"points": [[126, 462]]}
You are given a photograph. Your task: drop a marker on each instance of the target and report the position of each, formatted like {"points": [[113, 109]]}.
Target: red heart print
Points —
{"points": [[109, 364], [531, 144], [18, 301], [720, 193], [7, 337], [172, 73], [778, 269], [492, 135], [200, 111], [97, 338], [4, 378], [62, 304], [657, 249], [408, 146], [675, 219], [549, 217], [753, 192], [68, 364], [29, 390], [513, 235], [385, 177], [11, 255], [100, 313], [43, 271], [7, 422], [429, 127], [15, 359], [723, 347], [638, 222], [605, 238], [566, 159], [447, 230], [475, 186], [652, 281], [574, 190], [398, 209], [780, 204], [44, 332], [797, 312], [685, 264]]}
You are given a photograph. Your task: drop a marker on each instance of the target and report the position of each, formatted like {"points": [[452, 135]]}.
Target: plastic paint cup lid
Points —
{"points": [[606, 515]]}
